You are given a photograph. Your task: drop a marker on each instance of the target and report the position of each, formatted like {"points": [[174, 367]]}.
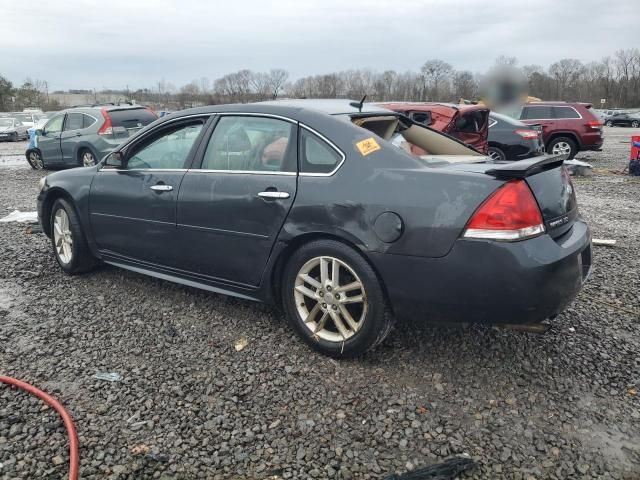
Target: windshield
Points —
{"points": [[6, 122]]}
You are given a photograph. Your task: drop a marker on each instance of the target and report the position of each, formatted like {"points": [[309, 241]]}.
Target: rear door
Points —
{"points": [[133, 209], [541, 115], [233, 205], [49, 140]]}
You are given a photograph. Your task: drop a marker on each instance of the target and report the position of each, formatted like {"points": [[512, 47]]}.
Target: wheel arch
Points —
{"points": [[275, 274], [565, 133], [53, 194], [85, 146]]}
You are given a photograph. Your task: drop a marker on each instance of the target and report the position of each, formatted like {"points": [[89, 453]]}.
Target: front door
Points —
{"points": [[133, 209], [49, 140], [231, 209]]}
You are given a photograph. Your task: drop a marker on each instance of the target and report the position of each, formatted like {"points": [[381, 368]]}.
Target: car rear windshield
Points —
{"points": [[131, 117]]}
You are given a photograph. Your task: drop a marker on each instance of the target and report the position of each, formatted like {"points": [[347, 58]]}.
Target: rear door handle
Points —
{"points": [[271, 194], [161, 188]]}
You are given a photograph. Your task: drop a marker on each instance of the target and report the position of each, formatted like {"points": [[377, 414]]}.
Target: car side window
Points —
{"points": [[54, 125], [169, 150], [251, 144], [538, 112], [316, 155], [73, 122], [566, 112]]}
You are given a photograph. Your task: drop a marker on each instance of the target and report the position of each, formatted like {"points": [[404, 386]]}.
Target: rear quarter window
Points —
{"points": [[316, 155], [131, 117], [566, 112]]}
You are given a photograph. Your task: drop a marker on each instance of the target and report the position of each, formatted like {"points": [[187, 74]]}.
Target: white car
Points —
{"points": [[12, 130]]}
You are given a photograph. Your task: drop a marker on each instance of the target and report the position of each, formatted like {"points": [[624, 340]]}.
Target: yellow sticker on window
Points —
{"points": [[367, 146]]}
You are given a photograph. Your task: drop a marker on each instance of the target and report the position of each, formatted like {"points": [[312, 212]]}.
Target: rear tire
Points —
{"points": [[86, 158], [68, 241], [341, 315], [563, 146], [497, 154], [635, 124]]}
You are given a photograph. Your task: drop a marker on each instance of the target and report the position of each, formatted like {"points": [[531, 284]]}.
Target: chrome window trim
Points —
{"points": [[332, 145], [248, 114], [143, 169], [492, 122], [241, 172], [552, 106]]}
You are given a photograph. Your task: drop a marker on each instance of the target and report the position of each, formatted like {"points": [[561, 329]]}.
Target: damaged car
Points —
{"points": [[307, 205]]}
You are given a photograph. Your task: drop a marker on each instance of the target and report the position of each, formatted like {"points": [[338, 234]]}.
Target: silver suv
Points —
{"points": [[81, 136]]}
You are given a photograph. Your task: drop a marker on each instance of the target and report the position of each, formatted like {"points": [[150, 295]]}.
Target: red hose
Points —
{"points": [[66, 418]]}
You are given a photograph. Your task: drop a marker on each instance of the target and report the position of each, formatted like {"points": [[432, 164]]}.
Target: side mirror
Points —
{"points": [[115, 159]]}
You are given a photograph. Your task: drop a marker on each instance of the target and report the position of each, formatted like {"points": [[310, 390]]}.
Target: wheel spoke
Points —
{"points": [[337, 321], [59, 242], [310, 280], [354, 299], [322, 322], [312, 314], [57, 228], [324, 270], [348, 287], [306, 292], [347, 316], [335, 272]]}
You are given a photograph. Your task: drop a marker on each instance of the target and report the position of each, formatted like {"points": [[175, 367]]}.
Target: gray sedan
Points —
{"points": [[12, 130]]}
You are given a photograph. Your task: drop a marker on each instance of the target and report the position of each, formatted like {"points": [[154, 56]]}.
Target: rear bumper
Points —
{"points": [[490, 282], [591, 141]]}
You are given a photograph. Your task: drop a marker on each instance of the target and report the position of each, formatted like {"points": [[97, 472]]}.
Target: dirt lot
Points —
{"points": [[562, 405]]}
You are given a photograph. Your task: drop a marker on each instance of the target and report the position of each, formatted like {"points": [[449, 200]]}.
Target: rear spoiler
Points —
{"points": [[526, 168]]}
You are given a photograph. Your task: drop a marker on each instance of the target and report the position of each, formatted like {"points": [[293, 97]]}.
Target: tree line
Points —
{"points": [[615, 78]]}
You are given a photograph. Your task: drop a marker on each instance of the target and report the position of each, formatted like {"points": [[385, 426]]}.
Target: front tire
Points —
{"points": [[635, 124], [609, 123], [35, 159], [333, 299], [563, 146], [15, 138], [68, 241]]}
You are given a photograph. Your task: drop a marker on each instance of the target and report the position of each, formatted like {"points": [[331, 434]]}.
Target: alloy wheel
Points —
{"points": [[36, 160], [330, 299], [635, 124], [62, 236], [561, 148], [88, 160], [493, 155]]}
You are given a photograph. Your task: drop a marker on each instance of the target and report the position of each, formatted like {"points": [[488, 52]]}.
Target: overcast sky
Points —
{"points": [[115, 43]]}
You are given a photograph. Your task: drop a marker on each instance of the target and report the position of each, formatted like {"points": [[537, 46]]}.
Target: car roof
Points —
{"points": [[332, 106], [559, 103], [427, 106]]}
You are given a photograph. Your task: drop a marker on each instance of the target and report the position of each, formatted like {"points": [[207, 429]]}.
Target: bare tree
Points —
{"points": [[276, 80], [435, 73]]}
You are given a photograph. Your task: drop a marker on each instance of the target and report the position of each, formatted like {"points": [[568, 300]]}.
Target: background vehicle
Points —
{"points": [[510, 139], [623, 120], [468, 123], [83, 135], [567, 128], [12, 130], [305, 203]]}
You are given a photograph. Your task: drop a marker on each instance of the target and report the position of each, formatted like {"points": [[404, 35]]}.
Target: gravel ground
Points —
{"points": [[560, 405]]}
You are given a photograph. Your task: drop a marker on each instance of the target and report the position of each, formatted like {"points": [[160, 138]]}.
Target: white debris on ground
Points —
{"points": [[20, 217]]}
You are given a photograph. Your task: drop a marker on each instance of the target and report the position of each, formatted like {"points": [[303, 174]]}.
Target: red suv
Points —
{"points": [[567, 128]]}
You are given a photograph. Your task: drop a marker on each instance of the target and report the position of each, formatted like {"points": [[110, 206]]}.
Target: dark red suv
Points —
{"points": [[567, 128]]}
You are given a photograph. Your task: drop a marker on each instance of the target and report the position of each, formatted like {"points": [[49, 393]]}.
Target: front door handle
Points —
{"points": [[161, 188], [273, 194]]}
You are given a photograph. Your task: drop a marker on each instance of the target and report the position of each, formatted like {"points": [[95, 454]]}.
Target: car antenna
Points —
{"points": [[359, 104]]}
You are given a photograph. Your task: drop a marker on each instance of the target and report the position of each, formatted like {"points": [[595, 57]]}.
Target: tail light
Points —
{"points": [[528, 134], [107, 127], [511, 213], [595, 124]]}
